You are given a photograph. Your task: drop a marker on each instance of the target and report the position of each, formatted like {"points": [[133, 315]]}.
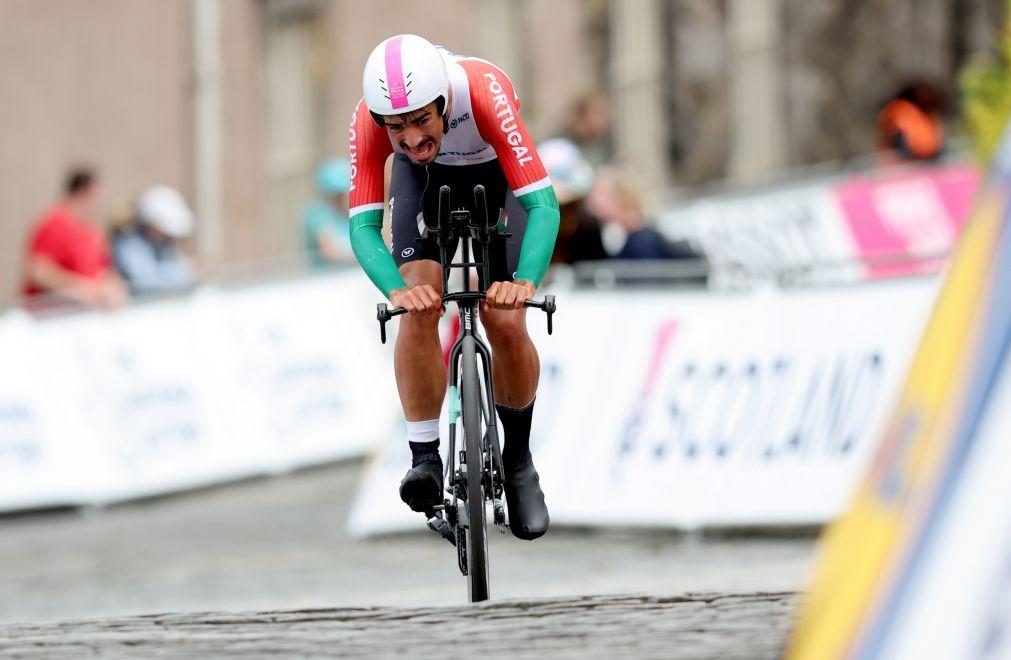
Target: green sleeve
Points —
{"points": [[371, 251], [539, 237]]}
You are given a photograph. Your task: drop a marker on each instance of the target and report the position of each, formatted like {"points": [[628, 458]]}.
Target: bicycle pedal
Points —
{"points": [[498, 515], [440, 526]]}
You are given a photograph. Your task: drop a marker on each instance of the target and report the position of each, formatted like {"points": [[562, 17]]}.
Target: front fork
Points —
{"points": [[493, 451]]}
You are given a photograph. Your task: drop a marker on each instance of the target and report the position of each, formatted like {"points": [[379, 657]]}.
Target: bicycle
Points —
{"points": [[474, 476]]}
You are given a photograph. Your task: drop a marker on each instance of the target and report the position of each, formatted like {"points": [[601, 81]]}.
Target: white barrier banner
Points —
{"points": [[177, 394], [46, 457], [765, 233], [698, 409], [308, 360], [152, 396]]}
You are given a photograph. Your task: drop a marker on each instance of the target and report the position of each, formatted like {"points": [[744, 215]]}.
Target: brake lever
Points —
{"points": [[547, 306], [384, 314]]}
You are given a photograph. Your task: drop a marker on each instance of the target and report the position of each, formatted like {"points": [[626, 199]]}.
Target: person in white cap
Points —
{"points": [[579, 235], [148, 255]]}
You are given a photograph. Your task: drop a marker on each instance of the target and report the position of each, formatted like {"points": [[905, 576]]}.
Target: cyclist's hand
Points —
{"points": [[417, 300], [509, 295]]}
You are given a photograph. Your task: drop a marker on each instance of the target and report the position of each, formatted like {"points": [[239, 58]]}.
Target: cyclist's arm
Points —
{"points": [[496, 113], [539, 238], [369, 148]]}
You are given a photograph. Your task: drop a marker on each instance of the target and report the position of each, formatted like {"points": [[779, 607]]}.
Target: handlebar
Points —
{"points": [[384, 313]]}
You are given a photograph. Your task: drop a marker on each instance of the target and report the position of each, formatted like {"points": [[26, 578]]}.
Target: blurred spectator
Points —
{"points": [[617, 201], [147, 253], [589, 126], [325, 227], [68, 254], [572, 177], [910, 126]]}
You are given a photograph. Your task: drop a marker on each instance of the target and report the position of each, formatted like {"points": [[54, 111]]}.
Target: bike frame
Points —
{"points": [[456, 226], [461, 228]]}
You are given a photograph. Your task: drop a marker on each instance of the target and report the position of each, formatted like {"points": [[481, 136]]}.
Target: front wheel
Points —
{"points": [[477, 536]]}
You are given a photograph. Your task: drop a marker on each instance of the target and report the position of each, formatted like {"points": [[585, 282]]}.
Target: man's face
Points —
{"points": [[418, 133], [91, 199]]}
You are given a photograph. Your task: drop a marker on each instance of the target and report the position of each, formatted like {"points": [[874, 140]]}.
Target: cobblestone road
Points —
{"points": [[278, 545], [699, 626]]}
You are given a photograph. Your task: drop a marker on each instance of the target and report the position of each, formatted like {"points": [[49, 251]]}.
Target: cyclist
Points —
{"points": [[452, 120]]}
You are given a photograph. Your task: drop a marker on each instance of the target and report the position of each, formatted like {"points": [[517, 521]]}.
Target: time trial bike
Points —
{"points": [[474, 473]]}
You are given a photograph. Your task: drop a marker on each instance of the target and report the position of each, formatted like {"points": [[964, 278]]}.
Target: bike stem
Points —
{"points": [[384, 313], [456, 225]]}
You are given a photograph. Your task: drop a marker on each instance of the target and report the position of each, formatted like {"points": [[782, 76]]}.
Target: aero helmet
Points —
{"points": [[405, 73]]}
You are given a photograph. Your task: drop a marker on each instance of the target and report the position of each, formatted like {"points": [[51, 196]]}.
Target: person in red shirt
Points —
{"points": [[68, 254]]}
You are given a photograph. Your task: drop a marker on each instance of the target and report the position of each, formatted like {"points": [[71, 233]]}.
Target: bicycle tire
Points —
{"points": [[477, 531]]}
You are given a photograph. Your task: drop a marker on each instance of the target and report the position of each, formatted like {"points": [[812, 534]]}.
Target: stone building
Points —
{"points": [[235, 101]]}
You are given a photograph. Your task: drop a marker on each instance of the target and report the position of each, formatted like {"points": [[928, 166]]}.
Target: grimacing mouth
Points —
{"points": [[421, 147]]}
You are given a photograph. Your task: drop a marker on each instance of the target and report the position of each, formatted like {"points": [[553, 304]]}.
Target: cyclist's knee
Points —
{"points": [[506, 328], [418, 324], [423, 271], [418, 273]]}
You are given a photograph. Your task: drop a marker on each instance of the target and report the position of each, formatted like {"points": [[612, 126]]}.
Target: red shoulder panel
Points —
{"points": [[496, 115], [369, 147]]}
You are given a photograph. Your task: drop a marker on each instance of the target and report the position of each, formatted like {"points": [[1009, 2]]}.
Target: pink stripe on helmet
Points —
{"points": [[395, 73]]}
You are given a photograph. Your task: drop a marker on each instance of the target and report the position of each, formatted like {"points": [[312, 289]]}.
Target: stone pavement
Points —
{"points": [[279, 544], [697, 626]]}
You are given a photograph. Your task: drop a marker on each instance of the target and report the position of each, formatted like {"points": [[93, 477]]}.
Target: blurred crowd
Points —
{"points": [[71, 258], [604, 213]]}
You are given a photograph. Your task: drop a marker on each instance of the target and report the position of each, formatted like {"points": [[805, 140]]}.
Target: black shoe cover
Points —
{"points": [[421, 488], [528, 514]]}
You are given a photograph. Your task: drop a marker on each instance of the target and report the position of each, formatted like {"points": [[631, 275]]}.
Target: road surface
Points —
{"points": [[278, 544]]}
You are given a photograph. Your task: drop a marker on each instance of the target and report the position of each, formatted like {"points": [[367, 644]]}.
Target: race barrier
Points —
{"points": [[681, 409], [919, 566], [698, 409], [176, 394], [874, 218]]}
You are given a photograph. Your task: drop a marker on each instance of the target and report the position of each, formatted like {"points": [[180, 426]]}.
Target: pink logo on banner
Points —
{"points": [[916, 214], [661, 343]]}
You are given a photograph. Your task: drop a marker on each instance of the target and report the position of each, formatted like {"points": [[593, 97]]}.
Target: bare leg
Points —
{"points": [[515, 370], [516, 366], [420, 372]]}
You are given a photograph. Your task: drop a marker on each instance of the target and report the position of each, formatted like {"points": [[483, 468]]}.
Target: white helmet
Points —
{"points": [[404, 73]]}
